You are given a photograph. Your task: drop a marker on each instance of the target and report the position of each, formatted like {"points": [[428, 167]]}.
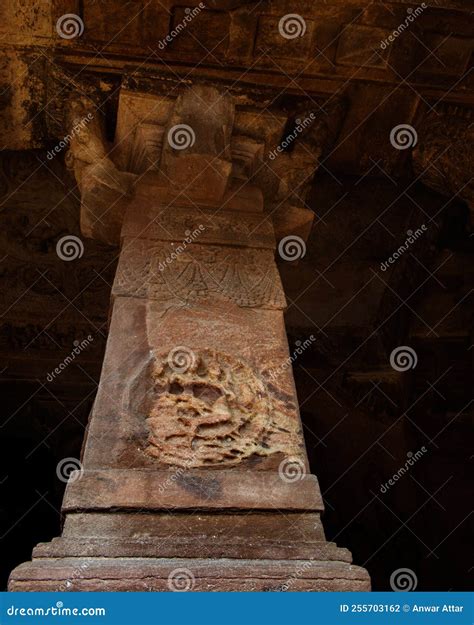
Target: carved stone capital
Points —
{"points": [[201, 147]]}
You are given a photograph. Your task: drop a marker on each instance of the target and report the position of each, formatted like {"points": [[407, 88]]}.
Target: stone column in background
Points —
{"points": [[195, 472]]}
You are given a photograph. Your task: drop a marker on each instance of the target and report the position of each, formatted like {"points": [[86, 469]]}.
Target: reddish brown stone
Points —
{"points": [[196, 410], [190, 489], [151, 574]]}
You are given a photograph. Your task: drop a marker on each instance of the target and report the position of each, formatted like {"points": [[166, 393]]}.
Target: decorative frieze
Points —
{"points": [[198, 273]]}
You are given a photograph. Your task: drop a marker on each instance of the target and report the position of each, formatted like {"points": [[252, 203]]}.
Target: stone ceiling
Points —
{"points": [[340, 49]]}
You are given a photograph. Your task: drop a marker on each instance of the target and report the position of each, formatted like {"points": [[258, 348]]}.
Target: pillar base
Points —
{"points": [[234, 551], [186, 574]]}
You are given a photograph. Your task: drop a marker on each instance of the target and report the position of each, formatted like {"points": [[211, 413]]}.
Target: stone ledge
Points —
{"points": [[133, 489], [259, 526], [156, 574], [238, 548]]}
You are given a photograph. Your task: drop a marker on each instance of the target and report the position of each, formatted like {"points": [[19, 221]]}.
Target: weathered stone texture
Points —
{"points": [[211, 409], [153, 270]]}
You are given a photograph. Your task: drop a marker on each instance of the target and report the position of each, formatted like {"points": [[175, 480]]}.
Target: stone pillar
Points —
{"points": [[195, 474]]}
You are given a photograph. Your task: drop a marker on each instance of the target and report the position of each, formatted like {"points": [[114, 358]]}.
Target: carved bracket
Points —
{"points": [[206, 150]]}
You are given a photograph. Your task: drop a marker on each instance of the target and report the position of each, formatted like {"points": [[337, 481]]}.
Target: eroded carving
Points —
{"points": [[102, 185], [210, 409]]}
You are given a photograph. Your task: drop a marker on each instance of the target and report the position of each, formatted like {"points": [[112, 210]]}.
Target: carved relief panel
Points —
{"points": [[209, 409], [160, 271]]}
